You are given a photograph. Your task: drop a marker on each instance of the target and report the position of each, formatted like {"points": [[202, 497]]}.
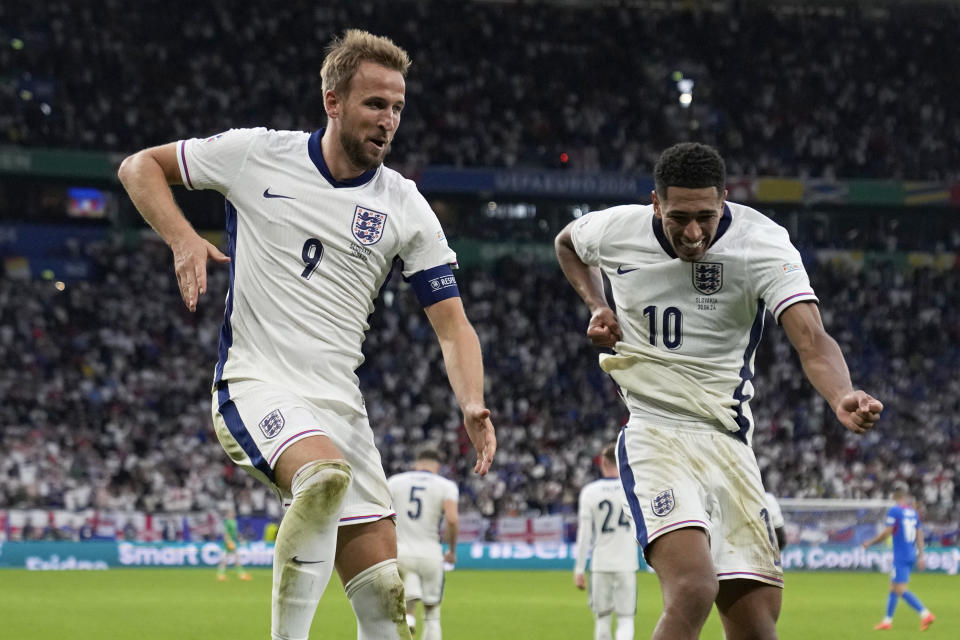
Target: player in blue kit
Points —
{"points": [[314, 223], [692, 277], [903, 524]]}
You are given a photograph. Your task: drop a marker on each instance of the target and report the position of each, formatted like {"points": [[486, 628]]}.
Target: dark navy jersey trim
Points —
{"points": [[661, 236], [435, 284], [231, 416], [226, 329], [315, 149], [629, 488], [746, 373], [725, 221]]}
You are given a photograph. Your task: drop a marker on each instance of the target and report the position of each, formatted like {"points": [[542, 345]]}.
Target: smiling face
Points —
{"points": [[690, 219], [367, 117]]}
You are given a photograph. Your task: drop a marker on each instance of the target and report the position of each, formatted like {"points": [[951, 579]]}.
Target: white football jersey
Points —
{"points": [[418, 498], [605, 529], [309, 255], [773, 511], [710, 313]]}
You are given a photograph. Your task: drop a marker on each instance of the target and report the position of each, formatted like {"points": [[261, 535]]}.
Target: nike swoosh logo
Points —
{"points": [[267, 194], [621, 271], [294, 559]]}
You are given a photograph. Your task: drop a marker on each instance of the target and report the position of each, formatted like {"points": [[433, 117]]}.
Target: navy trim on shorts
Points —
{"points": [[629, 486], [231, 416]]}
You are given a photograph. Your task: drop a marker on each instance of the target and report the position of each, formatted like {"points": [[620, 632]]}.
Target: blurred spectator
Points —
{"points": [[849, 90]]}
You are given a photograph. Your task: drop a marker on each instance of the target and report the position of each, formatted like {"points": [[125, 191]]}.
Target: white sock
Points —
{"points": [[431, 622], [306, 546], [624, 628], [376, 595], [601, 627]]}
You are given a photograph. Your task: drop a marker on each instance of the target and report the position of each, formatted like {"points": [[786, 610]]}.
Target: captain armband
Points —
{"points": [[435, 284]]}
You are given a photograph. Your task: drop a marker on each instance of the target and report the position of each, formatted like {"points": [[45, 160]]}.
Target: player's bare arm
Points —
{"points": [[464, 362], [452, 515], [603, 330], [147, 176], [825, 367]]}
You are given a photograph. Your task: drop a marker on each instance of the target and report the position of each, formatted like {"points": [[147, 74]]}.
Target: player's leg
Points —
{"points": [[903, 577], [367, 565], [432, 579], [222, 567], [625, 603], [410, 576], [315, 474], [601, 592], [688, 582], [749, 609]]}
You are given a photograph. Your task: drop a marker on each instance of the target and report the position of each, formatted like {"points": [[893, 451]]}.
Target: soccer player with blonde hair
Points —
{"points": [[314, 223]]}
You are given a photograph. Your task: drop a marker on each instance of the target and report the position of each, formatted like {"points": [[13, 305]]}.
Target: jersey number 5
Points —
{"points": [[415, 500], [311, 254]]}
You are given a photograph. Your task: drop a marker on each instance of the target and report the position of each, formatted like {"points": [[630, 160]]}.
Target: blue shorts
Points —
{"points": [[901, 572]]}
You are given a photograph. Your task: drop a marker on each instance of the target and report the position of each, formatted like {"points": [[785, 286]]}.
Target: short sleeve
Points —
{"points": [[451, 492], [215, 162], [425, 245], [587, 233], [778, 275], [891, 517]]}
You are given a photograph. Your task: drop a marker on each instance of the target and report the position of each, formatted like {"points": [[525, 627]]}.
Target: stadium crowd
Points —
{"points": [[106, 390], [858, 90]]}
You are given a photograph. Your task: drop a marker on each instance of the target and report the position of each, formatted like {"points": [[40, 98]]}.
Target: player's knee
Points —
{"points": [[376, 594], [691, 594], [431, 612], [320, 486]]}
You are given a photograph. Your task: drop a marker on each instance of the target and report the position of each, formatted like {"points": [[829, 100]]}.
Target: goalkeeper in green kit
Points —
{"points": [[231, 540]]}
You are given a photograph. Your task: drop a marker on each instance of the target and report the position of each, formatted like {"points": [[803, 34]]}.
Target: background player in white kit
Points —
{"points": [[314, 222], [605, 533], [692, 276], [423, 499]]}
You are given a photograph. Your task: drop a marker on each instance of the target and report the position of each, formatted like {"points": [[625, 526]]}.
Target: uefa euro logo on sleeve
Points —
{"points": [[707, 277], [272, 423], [663, 503], [368, 225]]}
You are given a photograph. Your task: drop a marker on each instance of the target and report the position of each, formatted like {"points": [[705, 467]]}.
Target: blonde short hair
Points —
{"points": [[345, 54]]}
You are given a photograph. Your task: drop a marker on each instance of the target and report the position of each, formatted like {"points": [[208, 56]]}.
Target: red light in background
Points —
{"points": [[564, 158]]}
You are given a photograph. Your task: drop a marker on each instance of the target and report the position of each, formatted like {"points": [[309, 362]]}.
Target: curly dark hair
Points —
{"points": [[690, 165]]}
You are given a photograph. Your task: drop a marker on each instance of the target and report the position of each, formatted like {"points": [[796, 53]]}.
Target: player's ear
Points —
{"points": [[656, 203], [331, 104]]}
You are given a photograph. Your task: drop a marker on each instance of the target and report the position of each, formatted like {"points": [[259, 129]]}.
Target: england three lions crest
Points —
{"points": [[368, 225], [707, 277], [663, 503], [272, 423]]}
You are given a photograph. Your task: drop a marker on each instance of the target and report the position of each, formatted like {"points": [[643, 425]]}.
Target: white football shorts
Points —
{"points": [[256, 421], [676, 477], [613, 592], [422, 578]]}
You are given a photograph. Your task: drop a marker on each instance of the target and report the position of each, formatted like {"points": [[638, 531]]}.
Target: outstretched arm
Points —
{"points": [[147, 176], [880, 537], [826, 369], [603, 330], [464, 362]]}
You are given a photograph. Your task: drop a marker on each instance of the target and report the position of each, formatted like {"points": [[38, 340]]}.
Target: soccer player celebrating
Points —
{"points": [[605, 533], [423, 499], [903, 524], [314, 222], [692, 277]]}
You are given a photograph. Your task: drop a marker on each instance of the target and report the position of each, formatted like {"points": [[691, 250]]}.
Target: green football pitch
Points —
{"points": [[184, 604]]}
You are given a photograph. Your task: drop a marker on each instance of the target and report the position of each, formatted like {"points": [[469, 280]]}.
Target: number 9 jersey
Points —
{"points": [[308, 256]]}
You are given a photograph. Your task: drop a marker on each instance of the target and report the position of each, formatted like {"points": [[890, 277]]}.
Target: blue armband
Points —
{"points": [[435, 284]]}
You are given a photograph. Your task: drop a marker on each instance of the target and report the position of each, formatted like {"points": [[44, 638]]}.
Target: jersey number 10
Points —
{"points": [[672, 326]]}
